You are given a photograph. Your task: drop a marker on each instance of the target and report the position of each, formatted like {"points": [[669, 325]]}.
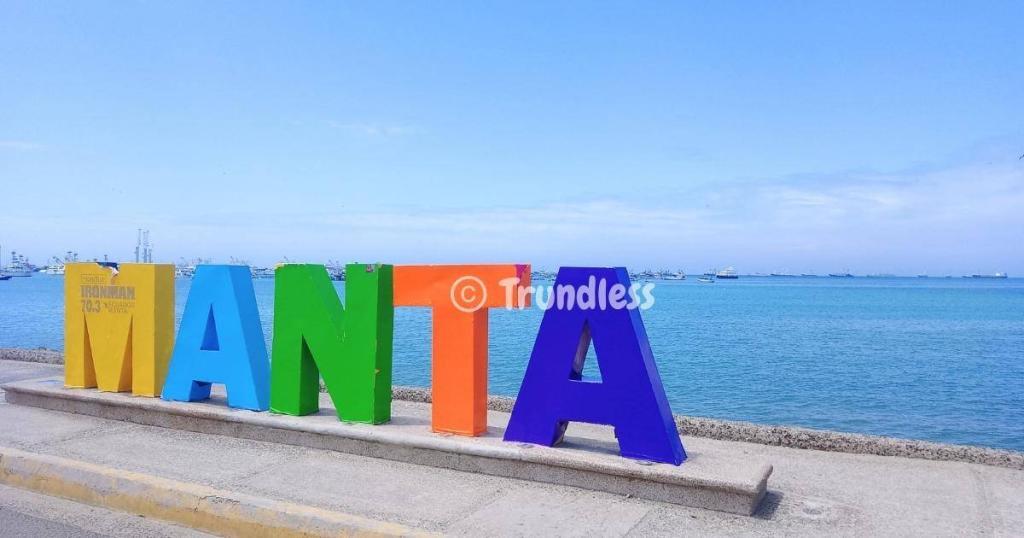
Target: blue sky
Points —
{"points": [[770, 136]]}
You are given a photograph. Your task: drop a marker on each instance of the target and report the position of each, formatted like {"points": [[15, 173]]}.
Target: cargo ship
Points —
{"points": [[993, 275], [728, 273]]}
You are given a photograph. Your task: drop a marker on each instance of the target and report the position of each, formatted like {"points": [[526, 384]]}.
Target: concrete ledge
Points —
{"points": [[221, 512], [588, 459]]}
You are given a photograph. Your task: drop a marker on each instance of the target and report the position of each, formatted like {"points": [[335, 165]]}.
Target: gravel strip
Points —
{"points": [[47, 356]]}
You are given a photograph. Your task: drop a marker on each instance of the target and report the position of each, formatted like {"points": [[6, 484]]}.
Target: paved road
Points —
{"points": [[18, 524], [23, 513]]}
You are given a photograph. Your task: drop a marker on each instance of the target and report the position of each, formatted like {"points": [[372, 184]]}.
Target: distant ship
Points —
{"points": [[727, 273], [336, 270], [57, 265], [19, 266], [261, 272], [678, 275], [808, 274], [187, 269], [783, 274], [841, 275], [995, 275], [541, 274], [644, 276], [53, 269]]}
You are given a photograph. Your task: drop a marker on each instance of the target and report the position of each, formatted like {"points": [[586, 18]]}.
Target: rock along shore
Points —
{"points": [[725, 430]]}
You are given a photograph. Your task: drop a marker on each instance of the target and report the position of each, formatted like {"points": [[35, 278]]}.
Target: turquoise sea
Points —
{"points": [[922, 358]]}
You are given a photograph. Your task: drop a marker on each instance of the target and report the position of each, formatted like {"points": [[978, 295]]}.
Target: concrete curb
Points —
{"points": [[588, 460], [728, 430], [221, 512]]}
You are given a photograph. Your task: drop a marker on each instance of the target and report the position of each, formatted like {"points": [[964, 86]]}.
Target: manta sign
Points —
{"points": [[119, 337]]}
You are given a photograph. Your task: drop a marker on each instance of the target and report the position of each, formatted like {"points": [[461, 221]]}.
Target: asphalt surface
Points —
{"points": [[24, 513]]}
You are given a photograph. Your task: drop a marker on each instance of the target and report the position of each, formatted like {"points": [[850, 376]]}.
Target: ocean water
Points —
{"points": [[921, 358]]}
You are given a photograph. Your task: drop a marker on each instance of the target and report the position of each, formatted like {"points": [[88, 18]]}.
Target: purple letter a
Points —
{"points": [[629, 396]]}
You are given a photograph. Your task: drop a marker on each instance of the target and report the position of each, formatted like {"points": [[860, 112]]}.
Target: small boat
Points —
{"points": [[4, 277], [706, 280]]}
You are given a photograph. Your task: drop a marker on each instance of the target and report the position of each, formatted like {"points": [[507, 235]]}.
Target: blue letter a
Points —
{"points": [[220, 341], [629, 396]]}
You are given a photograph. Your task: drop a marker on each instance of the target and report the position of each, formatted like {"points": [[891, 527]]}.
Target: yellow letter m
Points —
{"points": [[118, 326]]}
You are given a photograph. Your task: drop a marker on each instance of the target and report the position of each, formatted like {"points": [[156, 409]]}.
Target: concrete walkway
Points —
{"points": [[811, 492]]}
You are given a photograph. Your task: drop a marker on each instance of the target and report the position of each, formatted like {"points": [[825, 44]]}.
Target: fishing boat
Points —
{"points": [[678, 275], [544, 275], [336, 270], [261, 272], [57, 265], [187, 268], [19, 266], [727, 273], [53, 269]]}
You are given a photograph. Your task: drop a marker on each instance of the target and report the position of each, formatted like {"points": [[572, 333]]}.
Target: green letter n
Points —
{"points": [[315, 336]]}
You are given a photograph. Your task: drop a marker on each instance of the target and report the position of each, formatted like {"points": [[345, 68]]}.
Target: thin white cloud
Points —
{"points": [[374, 129], [956, 219], [19, 145]]}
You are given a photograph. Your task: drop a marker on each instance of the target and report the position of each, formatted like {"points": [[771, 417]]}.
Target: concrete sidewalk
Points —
{"points": [[811, 492]]}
